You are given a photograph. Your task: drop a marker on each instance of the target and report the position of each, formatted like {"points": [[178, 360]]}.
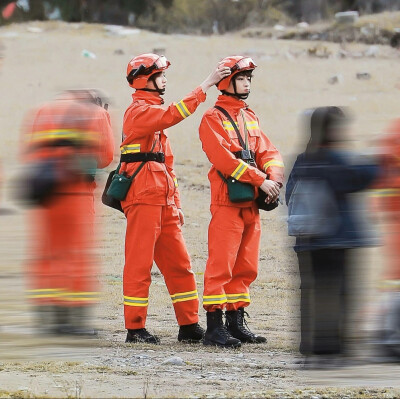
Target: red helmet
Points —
{"points": [[142, 67], [237, 63]]}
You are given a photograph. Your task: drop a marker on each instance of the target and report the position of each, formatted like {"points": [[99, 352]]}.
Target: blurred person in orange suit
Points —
{"points": [[64, 142], [152, 205], [245, 155], [386, 200]]}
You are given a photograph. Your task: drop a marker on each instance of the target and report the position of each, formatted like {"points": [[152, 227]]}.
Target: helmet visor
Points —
{"points": [[162, 62], [244, 63]]}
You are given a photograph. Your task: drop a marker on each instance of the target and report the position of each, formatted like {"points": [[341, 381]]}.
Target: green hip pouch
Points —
{"points": [[119, 186], [238, 191], [121, 183]]}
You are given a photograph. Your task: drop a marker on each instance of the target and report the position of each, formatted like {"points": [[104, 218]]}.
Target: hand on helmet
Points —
{"points": [[219, 73]]}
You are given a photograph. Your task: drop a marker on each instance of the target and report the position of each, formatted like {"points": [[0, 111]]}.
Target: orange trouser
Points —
{"points": [[153, 233], [392, 250], [233, 246], [63, 270]]}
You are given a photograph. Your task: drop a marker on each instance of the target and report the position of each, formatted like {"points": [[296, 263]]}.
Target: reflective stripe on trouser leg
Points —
{"points": [[214, 301], [235, 298], [246, 265], [173, 260], [143, 228], [44, 295], [224, 237]]}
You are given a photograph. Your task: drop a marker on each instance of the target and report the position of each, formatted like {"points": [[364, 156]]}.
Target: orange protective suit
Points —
{"points": [[234, 231], [63, 270], [153, 226], [387, 198]]}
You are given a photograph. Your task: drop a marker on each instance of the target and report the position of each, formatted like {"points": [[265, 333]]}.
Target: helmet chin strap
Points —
{"points": [[156, 90], [236, 95]]}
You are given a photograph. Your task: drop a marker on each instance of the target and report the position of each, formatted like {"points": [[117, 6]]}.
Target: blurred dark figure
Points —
{"points": [[324, 240], [387, 201], [64, 142]]}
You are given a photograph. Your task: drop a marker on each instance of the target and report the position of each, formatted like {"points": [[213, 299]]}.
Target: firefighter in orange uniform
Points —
{"points": [[388, 198], [234, 231], [152, 206], [72, 137]]}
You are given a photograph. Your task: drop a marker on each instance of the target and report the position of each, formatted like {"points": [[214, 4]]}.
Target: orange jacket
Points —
{"points": [[220, 140], [82, 124], [145, 122]]}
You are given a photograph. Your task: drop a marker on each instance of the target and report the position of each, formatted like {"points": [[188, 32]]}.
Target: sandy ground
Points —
{"points": [[38, 64]]}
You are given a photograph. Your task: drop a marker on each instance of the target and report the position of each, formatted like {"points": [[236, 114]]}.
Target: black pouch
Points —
{"points": [[38, 184], [260, 202], [107, 199]]}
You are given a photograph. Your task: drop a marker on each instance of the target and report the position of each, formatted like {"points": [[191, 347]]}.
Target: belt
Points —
{"points": [[59, 143], [143, 157]]}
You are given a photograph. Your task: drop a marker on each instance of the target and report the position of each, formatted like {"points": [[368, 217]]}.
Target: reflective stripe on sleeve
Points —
{"points": [[385, 192], [175, 181], [233, 298], [135, 301], [184, 296], [238, 172], [390, 285], [181, 107], [273, 162]]}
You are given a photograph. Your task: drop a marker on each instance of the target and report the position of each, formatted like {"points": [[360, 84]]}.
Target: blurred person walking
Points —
{"points": [[64, 142], [326, 228], [152, 205], [242, 157]]}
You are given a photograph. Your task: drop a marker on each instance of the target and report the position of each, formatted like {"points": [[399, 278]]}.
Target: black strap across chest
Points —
{"points": [[226, 113]]}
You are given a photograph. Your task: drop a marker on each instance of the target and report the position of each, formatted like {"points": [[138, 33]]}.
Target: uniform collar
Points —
{"points": [[230, 103], [150, 97]]}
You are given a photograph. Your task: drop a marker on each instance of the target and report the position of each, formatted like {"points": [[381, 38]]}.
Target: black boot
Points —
{"points": [[217, 334], [80, 319], [141, 335], [191, 333], [62, 317], [237, 327]]}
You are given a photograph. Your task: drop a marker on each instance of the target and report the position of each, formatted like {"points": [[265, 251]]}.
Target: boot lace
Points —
{"points": [[222, 328], [244, 328]]}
